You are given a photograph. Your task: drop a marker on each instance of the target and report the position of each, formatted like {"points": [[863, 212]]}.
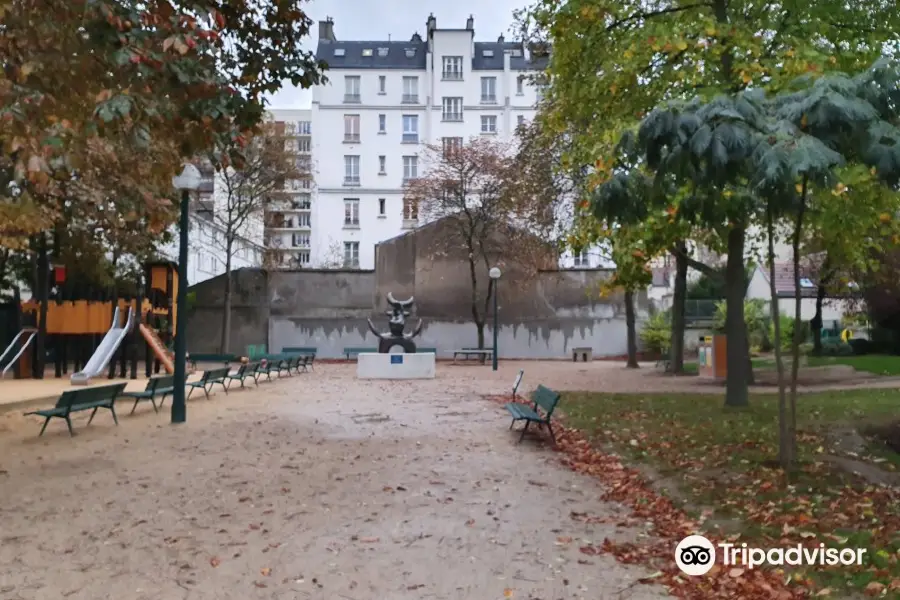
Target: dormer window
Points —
{"points": [[517, 52], [382, 52], [488, 53], [339, 52], [410, 52], [367, 52]]}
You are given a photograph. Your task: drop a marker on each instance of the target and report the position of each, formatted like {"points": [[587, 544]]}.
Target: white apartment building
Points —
{"points": [[288, 218], [206, 238], [384, 102]]}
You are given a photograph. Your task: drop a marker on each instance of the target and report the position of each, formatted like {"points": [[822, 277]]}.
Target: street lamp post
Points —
{"points": [[188, 181], [494, 274]]}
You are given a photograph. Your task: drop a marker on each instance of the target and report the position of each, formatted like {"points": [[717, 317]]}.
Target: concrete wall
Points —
{"points": [[542, 314]]}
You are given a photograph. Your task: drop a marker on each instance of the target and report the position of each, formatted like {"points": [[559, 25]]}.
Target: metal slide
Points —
{"points": [[111, 342], [14, 356]]}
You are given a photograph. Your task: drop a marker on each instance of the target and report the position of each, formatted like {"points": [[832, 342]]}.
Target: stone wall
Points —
{"points": [[328, 310]]}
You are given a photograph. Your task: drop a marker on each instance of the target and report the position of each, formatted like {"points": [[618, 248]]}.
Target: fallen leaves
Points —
{"points": [[265, 571], [214, 562], [369, 540], [508, 593]]}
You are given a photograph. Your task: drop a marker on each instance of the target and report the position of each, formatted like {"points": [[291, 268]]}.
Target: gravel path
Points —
{"points": [[318, 486]]}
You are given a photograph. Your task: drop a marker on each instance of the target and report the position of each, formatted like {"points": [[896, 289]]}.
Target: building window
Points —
{"points": [[520, 120], [488, 124], [410, 90], [351, 212], [300, 240], [410, 209], [381, 165], [301, 202], [489, 90], [410, 129], [452, 67], [303, 145], [351, 89], [381, 208], [351, 254], [351, 128], [305, 127], [581, 259], [382, 84], [410, 167], [451, 145], [382, 123], [351, 170], [302, 258], [520, 85], [303, 220], [452, 109]]}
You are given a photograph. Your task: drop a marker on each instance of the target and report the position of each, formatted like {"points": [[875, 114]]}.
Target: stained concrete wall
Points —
{"points": [[543, 314]]}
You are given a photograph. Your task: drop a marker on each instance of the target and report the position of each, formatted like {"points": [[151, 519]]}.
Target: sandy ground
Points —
{"points": [[317, 486]]}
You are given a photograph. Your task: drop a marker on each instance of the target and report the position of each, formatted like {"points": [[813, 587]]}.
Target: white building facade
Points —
{"points": [[206, 237], [385, 101], [288, 218]]}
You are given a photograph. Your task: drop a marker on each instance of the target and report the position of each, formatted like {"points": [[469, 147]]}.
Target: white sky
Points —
{"points": [[398, 20]]}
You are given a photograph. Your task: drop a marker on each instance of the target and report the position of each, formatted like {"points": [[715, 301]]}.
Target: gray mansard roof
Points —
{"points": [[397, 56]]}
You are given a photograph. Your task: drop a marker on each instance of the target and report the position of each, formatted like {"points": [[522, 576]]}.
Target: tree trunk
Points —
{"points": [[785, 448], [42, 292], [631, 329], [679, 298], [736, 392], [798, 329], [476, 317], [226, 312], [816, 324]]}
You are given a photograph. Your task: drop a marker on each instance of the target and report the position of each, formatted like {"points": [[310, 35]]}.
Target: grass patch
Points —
{"points": [[720, 459], [877, 364]]}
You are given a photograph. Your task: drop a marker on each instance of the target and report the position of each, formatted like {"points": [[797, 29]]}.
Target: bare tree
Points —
{"points": [[247, 190], [492, 216], [334, 256]]}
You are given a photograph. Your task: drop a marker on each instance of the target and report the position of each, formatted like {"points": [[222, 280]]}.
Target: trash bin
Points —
{"points": [[711, 357]]}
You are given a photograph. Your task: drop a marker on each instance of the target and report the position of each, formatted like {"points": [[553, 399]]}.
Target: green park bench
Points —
{"points": [[272, 365], [156, 387], [351, 351], [427, 350], [211, 358], [244, 371], [301, 350], [210, 378], [544, 399], [103, 396], [289, 364]]}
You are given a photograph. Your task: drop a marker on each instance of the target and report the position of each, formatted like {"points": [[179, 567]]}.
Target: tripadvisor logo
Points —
{"points": [[696, 555]]}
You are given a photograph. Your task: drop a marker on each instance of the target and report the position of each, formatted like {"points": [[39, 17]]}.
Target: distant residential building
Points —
{"points": [[289, 217], [385, 100], [206, 240]]}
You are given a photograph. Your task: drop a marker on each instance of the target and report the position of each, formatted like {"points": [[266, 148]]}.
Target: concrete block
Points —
{"points": [[375, 365]]}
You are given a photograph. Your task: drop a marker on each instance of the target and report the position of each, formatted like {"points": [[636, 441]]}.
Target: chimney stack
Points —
{"points": [[326, 29], [416, 37], [470, 23], [430, 24], [501, 39]]}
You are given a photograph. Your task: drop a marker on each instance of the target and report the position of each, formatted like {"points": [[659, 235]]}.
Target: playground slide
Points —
{"points": [[10, 352], [111, 342], [159, 349]]}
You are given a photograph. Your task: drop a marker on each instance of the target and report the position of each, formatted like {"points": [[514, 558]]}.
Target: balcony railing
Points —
{"points": [[352, 99], [410, 138], [351, 138], [452, 117], [410, 99], [351, 180], [452, 75], [489, 99]]}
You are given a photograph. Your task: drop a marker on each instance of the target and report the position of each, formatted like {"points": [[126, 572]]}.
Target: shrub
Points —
{"points": [[860, 346], [755, 319], [836, 347], [787, 331], [657, 333]]}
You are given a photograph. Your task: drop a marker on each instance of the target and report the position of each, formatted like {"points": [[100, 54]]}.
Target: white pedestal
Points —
{"points": [[375, 365]]}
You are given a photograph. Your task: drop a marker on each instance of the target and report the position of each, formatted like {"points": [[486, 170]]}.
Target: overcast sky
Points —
{"points": [[398, 20]]}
